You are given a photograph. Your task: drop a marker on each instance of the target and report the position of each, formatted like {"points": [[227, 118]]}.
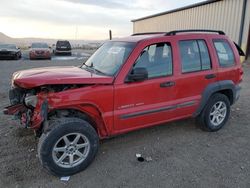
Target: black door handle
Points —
{"points": [[167, 84], [210, 76]]}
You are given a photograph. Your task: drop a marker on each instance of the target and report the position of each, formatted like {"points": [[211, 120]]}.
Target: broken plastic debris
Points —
{"points": [[148, 159], [138, 155], [31, 150], [65, 178]]}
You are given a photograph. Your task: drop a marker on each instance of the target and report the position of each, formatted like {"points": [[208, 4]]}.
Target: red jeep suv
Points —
{"points": [[127, 84]]}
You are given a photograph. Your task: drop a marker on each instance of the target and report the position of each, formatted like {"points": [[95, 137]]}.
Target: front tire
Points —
{"points": [[215, 114], [68, 147]]}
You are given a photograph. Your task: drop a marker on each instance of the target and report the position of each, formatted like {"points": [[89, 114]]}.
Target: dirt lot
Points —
{"points": [[182, 155]]}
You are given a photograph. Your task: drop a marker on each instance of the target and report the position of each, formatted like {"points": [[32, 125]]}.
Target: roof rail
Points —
{"points": [[194, 30], [147, 33]]}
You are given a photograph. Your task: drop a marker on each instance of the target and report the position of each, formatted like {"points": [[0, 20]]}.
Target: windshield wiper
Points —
{"points": [[96, 70], [92, 68]]}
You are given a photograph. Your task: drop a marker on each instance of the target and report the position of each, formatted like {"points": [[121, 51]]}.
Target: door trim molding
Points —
{"points": [[166, 108]]}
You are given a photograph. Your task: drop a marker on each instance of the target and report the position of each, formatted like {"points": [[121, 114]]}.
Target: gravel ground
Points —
{"points": [[182, 155]]}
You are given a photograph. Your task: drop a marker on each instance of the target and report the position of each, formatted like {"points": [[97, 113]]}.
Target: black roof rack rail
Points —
{"points": [[194, 30], [147, 33]]}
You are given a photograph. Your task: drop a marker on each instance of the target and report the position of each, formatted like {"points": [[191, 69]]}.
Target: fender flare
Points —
{"points": [[92, 112], [213, 88]]}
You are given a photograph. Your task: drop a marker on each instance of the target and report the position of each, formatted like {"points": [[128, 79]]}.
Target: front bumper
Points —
{"points": [[40, 56], [8, 55], [28, 117], [14, 109]]}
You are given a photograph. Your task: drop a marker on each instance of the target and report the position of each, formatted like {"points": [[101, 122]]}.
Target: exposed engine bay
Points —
{"points": [[24, 102]]}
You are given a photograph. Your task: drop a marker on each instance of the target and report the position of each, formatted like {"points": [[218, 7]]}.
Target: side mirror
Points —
{"points": [[137, 74]]}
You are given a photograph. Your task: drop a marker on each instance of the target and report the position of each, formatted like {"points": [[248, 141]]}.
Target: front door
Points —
{"points": [[143, 103]]}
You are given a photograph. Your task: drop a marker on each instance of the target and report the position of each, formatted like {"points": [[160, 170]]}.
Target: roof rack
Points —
{"points": [[149, 33], [194, 30]]}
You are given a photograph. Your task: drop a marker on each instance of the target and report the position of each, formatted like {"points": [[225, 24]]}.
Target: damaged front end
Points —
{"points": [[29, 106]]}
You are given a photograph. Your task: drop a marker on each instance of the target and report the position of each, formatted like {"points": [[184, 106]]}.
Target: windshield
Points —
{"points": [[109, 57], [7, 46], [39, 45]]}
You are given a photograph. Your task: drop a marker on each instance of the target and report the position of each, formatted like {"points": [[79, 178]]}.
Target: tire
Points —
{"points": [[52, 139], [205, 119]]}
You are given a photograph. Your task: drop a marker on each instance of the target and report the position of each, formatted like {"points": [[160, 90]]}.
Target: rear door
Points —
{"points": [[196, 71]]}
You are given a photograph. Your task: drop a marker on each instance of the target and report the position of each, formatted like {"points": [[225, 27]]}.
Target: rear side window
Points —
{"points": [[194, 56], [224, 52]]}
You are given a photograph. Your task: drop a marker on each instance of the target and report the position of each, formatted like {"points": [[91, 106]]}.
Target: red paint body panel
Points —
{"points": [[118, 107], [57, 75]]}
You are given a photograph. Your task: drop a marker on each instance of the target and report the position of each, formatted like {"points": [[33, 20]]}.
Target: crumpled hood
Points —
{"points": [[57, 75]]}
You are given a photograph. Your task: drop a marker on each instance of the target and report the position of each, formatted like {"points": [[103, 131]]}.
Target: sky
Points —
{"points": [[78, 19]]}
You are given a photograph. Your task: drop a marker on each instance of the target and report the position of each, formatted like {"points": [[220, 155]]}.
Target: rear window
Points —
{"points": [[224, 53], [63, 43], [194, 56]]}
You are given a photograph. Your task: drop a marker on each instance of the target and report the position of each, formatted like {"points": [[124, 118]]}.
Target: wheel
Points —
{"points": [[68, 147], [215, 114]]}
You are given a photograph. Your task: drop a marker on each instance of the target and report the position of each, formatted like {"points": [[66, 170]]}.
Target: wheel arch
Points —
{"points": [[86, 112], [226, 87]]}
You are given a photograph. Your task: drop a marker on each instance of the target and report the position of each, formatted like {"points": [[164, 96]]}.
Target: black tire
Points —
{"points": [[54, 132], [204, 119]]}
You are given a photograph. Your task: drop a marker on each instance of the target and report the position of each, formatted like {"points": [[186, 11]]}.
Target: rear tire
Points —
{"points": [[215, 114], [67, 146]]}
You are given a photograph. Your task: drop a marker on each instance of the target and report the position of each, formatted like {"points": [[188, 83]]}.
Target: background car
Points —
{"points": [[10, 51], [39, 50], [63, 47]]}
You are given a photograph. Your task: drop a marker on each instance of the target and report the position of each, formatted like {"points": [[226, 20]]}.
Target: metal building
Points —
{"points": [[230, 16]]}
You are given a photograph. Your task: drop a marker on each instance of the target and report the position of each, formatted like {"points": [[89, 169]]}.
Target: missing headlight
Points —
{"points": [[31, 101]]}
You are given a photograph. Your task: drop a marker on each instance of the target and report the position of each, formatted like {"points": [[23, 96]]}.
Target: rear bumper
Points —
{"points": [[63, 51], [237, 93]]}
